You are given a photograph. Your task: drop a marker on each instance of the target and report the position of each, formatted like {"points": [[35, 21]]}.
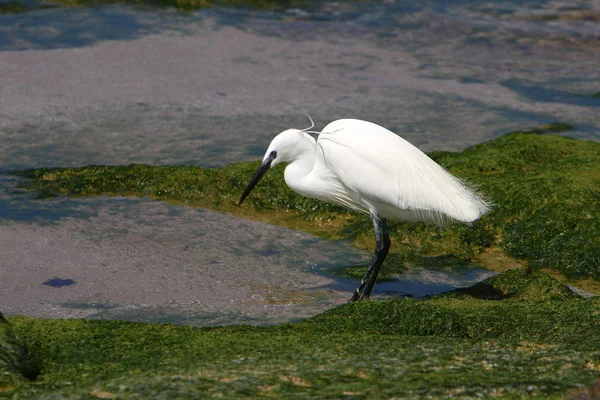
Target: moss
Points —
{"points": [[516, 304], [15, 361], [12, 7], [545, 190], [518, 284], [160, 361], [432, 348], [570, 323], [553, 127]]}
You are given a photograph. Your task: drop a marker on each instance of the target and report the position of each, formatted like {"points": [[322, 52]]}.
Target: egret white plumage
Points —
{"points": [[367, 168]]}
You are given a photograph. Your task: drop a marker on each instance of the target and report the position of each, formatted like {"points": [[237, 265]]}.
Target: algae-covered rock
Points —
{"points": [[406, 317], [518, 284], [529, 306], [546, 196], [12, 7], [413, 349], [15, 361]]}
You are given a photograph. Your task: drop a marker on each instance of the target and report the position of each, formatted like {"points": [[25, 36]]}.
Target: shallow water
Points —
{"points": [[144, 260], [116, 85]]}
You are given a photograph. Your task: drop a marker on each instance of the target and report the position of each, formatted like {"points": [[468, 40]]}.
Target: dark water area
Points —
{"points": [[394, 23], [117, 84]]}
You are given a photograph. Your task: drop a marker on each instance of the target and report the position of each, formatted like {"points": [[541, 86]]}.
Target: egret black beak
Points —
{"points": [[262, 170]]}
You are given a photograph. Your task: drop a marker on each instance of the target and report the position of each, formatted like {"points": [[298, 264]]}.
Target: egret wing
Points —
{"points": [[389, 176]]}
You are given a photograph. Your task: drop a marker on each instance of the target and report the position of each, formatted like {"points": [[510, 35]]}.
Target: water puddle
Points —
{"points": [[144, 260], [541, 94]]}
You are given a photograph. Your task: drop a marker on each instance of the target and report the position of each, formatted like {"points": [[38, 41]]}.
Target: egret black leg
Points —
{"points": [[381, 250], [382, 236]]}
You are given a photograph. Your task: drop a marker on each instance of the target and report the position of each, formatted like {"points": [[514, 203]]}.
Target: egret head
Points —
{"points": [[288, 146]]}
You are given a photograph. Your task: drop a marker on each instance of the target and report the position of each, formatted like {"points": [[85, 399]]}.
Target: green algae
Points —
{"points": [[13, 7], [395, 264], [571, 323], [434, 348], [546, 195], [545, 191], [16, 363], [516, 304], [518, 284]]}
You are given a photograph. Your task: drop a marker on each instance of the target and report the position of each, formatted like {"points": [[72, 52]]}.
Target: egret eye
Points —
{"points": [[273, 154]]}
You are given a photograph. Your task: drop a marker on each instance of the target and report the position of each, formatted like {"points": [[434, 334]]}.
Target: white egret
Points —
{"points": [[367, 168]]}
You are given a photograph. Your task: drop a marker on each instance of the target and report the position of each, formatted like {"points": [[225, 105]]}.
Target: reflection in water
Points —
{"points": [[421, 282], [418, 282]]}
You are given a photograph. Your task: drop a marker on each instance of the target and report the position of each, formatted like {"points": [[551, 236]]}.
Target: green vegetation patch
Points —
{"points": [[516, 304], [12, 7], [517, 284], [437, 348], [545, 190], [569, 323], [16, 363]]}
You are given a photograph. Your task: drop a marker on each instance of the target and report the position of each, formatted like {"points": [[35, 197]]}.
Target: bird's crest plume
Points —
{"points": [[314, 134], [312, 124]]}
